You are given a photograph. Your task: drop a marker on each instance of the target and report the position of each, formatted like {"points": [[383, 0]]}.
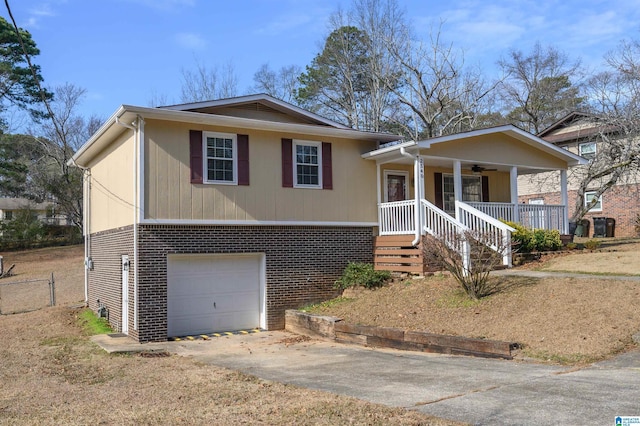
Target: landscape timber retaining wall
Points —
{"points": [[332, 328]]}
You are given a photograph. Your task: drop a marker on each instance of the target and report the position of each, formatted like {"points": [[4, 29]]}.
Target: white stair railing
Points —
{"points": [[494, 233], [397, 218], [441, 225]]}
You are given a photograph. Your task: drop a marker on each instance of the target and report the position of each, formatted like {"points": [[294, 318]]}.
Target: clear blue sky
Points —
{"points": [[127, 51]]}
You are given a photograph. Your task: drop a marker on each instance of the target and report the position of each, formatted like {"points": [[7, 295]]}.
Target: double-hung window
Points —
{"points": [[220, 150], [587, 150], [307, 164], [588, 197]]}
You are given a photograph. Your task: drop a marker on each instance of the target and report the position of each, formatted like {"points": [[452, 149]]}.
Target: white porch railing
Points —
{"points": [[532, 216], [491, 231], [542, 216], [397, 218]]}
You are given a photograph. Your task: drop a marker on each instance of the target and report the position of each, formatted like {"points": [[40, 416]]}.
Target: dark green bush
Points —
{"points": [[527, 240], [363, 274]]}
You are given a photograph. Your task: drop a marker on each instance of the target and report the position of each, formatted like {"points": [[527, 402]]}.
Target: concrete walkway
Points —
{"points": [[474, 390]]}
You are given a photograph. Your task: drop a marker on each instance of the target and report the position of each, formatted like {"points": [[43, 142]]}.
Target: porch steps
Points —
{"points": [[395, 253]]}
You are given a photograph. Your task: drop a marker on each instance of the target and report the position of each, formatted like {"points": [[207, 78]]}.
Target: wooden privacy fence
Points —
{"points": [[27, 295]]}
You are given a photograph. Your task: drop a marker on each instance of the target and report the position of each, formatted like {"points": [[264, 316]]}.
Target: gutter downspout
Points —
{"points": [[416, 195], [136, 145], [86, 195]]}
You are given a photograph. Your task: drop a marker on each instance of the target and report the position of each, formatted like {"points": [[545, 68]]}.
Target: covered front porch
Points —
{"points": [[469, 181]]}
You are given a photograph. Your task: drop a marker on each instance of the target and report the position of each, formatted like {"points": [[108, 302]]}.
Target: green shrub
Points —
{"points": [[547, 240], [592, 244], [571, 246], [527, 240], [363, 274]]}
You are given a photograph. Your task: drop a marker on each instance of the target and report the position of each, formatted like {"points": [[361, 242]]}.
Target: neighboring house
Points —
{"points": [[45, 212], [576, 132], [219, 215]]}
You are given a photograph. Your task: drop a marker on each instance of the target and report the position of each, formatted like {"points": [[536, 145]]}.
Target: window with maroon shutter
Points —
{"points": [[287, 163], [437, 178], [243, 159], [327, 171], [219, 158], [195, 154]]}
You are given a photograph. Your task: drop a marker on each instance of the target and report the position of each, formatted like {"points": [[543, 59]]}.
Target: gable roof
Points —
{"points": [[198, 113], [574, 126], [257, 102], [509, 130]]}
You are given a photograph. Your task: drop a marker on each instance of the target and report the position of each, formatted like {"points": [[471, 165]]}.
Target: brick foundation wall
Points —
{"points": [[621, 202], [105, 280], [302, 263]]}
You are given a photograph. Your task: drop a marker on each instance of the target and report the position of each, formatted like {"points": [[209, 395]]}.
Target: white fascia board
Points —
{"points": [[388, 151], [261, 97], [128, 113]]}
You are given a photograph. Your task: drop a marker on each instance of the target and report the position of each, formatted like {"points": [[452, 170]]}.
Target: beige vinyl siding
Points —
{"points": [[113, 169], [170, 195], [483, 149]]}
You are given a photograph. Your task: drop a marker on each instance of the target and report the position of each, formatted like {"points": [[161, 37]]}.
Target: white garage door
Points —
{"points": [[210, 293]]}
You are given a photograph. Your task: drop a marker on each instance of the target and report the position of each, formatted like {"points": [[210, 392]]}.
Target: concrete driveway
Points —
{"points": [[474, 390]]}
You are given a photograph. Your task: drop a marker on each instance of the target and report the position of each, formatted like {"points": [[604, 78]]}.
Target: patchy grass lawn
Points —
{"points": [[566, 320], [66, 263], [52, 374]]}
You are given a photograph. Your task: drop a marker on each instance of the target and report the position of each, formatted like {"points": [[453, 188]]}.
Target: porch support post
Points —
{"points": [[564, 200], [378, 183], [514, 193], [457, 184]]}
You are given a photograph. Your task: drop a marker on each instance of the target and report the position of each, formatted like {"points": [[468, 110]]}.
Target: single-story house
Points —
{"points": [[44, 212], [219, 215]]}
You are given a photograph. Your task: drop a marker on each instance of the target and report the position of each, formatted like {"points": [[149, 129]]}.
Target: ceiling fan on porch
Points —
{"points": [[479, 169]]}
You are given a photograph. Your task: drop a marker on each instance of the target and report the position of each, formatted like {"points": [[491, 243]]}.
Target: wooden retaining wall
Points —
{"points": [[332, 328]]}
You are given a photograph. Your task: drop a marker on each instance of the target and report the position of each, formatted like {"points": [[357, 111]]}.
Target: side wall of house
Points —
{"points": [[105, 279], [302, 263], [621, 203], [111, 191]]}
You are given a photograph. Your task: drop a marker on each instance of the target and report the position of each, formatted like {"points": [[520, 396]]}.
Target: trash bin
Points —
{"points": [[599, 227], [611, 227], [572, 228], [583, 228]]}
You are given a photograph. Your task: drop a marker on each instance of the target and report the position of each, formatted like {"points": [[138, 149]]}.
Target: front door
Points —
{"points": [[125, 294], [395, 186]]}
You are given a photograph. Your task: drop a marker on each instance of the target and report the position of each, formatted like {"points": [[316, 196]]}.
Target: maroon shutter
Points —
{"points": [[195, 154], [243, 159], [327, 172], [485, 189], [287, 163], [437, 178]]}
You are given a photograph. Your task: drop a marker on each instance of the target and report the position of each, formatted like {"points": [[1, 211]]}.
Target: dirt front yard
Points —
{"points": [[568, 320], [52, 374]]}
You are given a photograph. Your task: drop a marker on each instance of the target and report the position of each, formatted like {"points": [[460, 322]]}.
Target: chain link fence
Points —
{"points": [[26, 295]]}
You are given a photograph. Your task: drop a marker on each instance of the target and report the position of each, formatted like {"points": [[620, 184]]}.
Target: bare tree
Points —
{"points": [[442, 95], [204, 84], [469, 258], [538, 87], [282, 84], [615, 98], [59, 137]]}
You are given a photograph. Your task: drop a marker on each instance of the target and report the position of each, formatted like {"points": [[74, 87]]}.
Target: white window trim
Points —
{"points": [[594, 209], [205, 158], [297, 142], [591, 154], [386, 184]]}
